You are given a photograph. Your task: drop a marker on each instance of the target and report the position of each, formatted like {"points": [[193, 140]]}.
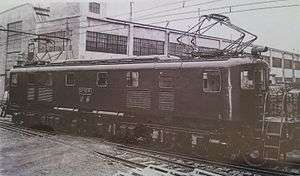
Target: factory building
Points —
{"points": [[85, 32]]}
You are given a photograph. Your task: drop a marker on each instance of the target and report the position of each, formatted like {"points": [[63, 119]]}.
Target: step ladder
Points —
{"points": [[272, 140], [272, 130]]}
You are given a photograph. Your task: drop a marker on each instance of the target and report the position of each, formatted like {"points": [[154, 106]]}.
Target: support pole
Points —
{"points": [[131, 11]]}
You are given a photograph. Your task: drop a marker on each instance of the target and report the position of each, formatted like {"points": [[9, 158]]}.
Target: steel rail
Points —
{"points": [[256, 170]]}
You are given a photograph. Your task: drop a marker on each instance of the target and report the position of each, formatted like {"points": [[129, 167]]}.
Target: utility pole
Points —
{"points": [[131, 11], [130, 32], [199, 14], [66, 48]]}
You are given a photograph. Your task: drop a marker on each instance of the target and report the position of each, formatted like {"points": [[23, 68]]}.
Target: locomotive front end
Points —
{"points": [[253, 88]]}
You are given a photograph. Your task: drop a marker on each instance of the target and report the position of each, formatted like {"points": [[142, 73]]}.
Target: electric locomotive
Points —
{"points": [[211, 102]]}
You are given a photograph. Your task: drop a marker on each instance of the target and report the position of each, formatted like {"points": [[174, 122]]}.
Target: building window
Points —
{"points": [[277, 62], [102, 79], [70, 79], [247, 81], [177, 49], [107, 43], [297, 65], [288, 64], [211, 81], [14, 39], [278, 79], [147, 47], [14, 79], [54, 44], [94, 7], [165, 80], [91, 41], [132, 79]]}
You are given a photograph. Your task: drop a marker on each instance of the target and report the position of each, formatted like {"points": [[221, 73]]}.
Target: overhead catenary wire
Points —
{"points": [[211, 9], [229, 12], [178, 8], [154, 7]]}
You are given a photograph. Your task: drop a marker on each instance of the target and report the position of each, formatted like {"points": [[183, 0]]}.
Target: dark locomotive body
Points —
{"points": [[180, 103]]}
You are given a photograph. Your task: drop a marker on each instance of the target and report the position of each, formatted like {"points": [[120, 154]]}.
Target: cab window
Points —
{"points": [[260, 77], [14, 79], [102, 79], [132, 79], [165, 80], [211, 81], [247, 81], [70, 79]]}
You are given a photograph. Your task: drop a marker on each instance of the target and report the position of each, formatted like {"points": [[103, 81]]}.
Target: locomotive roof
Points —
{"points": [[134, 64]]}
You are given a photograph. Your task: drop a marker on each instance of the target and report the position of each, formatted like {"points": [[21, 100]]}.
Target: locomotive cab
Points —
{"points": [[253, 87]]}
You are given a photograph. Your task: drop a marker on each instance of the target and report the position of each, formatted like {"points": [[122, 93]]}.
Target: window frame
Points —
{"points": [[106, 81], [165, 74], [15, 78], [220, 81], [95, 7], [253, 79], [106, 43], [288, 64], [66, 79], [143, 47], [59, 44], [297, 65], [276, 62], [131, 77], [14, 39]]}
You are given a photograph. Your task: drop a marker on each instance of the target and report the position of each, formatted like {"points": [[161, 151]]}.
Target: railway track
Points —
{"points": [[119, 157], [213, 166], [155, 157], [162, 158]]}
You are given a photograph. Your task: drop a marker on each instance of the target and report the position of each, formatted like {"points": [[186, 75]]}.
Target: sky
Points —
{"points": [[275, 27]]}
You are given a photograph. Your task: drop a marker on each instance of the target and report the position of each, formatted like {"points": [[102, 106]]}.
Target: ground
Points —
{"points": [[23, 155]]}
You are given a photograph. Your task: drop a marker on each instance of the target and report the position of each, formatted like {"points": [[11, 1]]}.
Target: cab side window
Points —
{"points": [[132, 79], [102, 79], [247, 81], [165, 80], [211, 81], [14, 79], [70, 79]]}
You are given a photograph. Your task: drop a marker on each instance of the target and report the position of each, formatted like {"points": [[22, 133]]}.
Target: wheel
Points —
{"points": [[253, 156]]}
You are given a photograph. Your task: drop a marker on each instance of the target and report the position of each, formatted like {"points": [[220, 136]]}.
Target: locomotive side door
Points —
{"points": [[253, 87]]}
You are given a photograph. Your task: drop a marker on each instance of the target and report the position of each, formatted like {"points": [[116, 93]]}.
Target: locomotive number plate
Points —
{"points": [[85, 91]]}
